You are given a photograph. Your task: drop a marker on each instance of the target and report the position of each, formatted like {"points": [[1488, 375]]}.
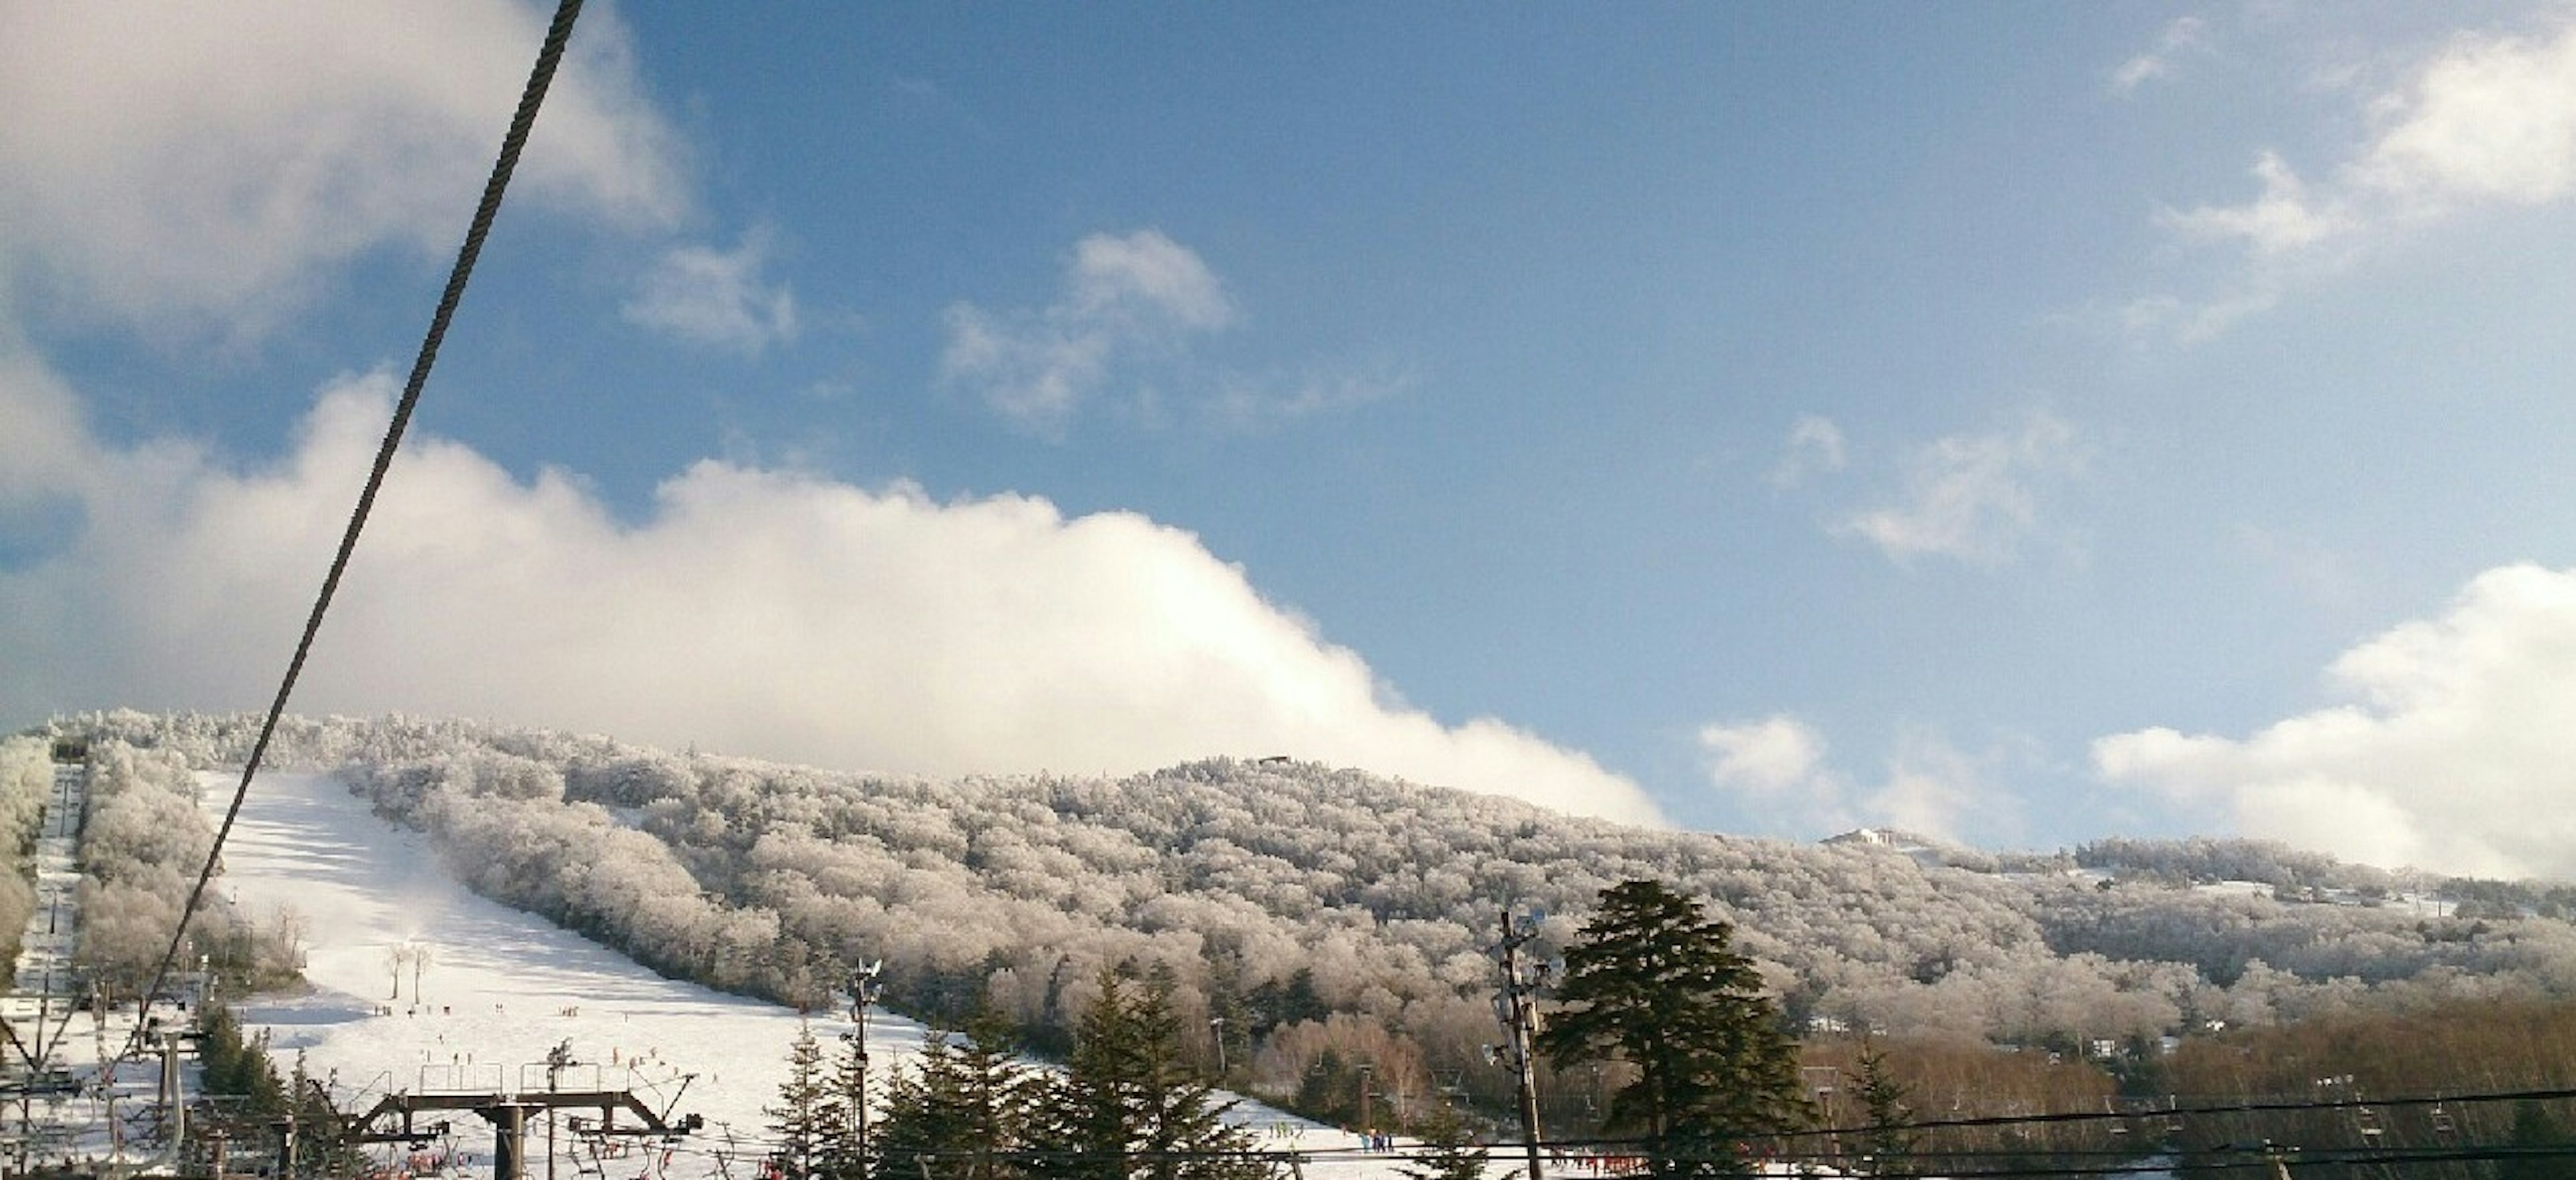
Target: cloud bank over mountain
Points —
{"points": [[2449, 750], [756, 611]]}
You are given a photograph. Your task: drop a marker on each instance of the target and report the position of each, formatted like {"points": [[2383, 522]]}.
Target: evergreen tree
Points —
{"points": [[801, 1116], [1325, 1093], [920, 1127], [2538, 1142], [1448, 1152], [962, 1110], [1882, 1100], [1127, 1105], [996, 1093], [842, 1150], [322, 1145], [1657, 984]]}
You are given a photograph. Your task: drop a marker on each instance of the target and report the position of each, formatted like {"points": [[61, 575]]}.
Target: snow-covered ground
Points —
{"points": [[500, 987]]}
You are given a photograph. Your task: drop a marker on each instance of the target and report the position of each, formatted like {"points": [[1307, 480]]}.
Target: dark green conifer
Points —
{"points": [[1447, 1152], [1657, 984], [797, 1123], [1882, 1099], [1129, 1106]]}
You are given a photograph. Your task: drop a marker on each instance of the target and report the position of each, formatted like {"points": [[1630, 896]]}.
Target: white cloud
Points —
{"points": [[2185, 35], [1139, 292], [201, 168], [2285, 218], [714, 297], [1776, 772], [1771, 756], [1815, 446], [2486, 121], [1974, 497], [1143, 279], [754, 611], [1932, 787], [2450, 751]]}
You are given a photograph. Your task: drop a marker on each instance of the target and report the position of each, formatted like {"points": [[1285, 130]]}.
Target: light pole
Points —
{"points": [[865, 989], [1216, 1026]]}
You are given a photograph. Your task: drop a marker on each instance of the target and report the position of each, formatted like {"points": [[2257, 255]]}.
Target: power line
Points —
{"points": [[549, 56], [2269, 1106]]}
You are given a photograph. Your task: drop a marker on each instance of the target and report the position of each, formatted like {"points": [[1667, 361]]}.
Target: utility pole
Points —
{"points": [[865, 990], [1517, 1010]]}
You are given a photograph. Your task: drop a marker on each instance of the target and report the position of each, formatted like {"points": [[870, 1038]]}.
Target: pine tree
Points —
{"points": [[1657, 984], [1448, 1152], [996, 1092], [1882, 1100], [1127, 1104], [799, 1119], [841, 1151], [961, 1109], [2537, 1142]]}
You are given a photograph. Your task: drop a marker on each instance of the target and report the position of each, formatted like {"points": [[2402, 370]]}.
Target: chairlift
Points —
{"points": [[2367, 1120], [2119, 1122], [2442, 1123]]}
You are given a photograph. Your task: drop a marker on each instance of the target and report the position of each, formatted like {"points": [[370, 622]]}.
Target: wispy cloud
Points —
{"points": [[1119, 295], [2183, 37], [716, 297], [2487, 121], [1933, 788], [1815, 446], [2286, 218], [1777, 772], [1250, 404], [1974, 497], [2449, 750]]}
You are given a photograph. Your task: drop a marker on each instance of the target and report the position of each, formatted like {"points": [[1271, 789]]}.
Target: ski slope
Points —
{"points": [[501, 987]]}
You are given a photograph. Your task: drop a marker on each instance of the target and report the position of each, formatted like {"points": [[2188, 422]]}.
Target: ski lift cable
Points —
{"points": [[513, 143]]}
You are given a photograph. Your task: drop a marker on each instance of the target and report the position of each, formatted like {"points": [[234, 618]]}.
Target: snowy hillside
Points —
{"points": [[499, 988]]}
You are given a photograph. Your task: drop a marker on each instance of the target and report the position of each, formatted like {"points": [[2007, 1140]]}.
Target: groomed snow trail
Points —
{"points": [[500, 987]]}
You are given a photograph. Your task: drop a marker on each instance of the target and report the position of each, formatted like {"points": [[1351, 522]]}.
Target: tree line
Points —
{"points": [[1652, 984]]}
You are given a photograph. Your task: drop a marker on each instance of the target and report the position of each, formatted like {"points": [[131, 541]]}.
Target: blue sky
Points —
{"points": [[2021, 423]]}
